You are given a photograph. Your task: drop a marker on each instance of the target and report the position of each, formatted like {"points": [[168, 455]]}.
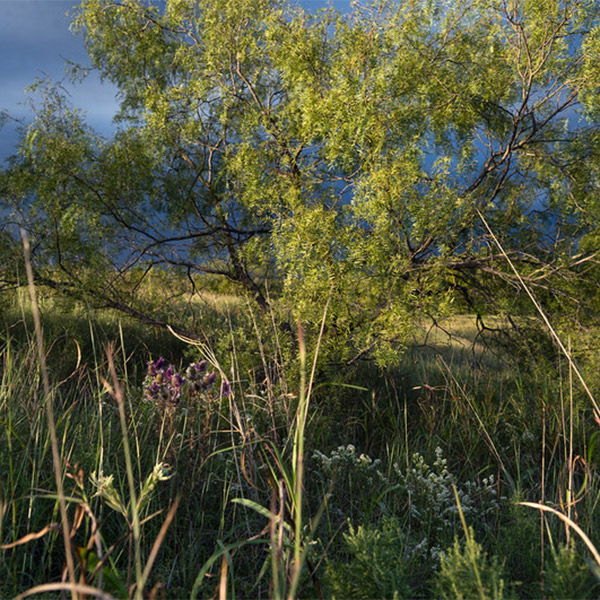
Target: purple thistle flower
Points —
{"points": [[176, 380], [152, 390], [200, 366], [169, 372], [174, 395], [159, 364], [225, 389], [209, 379]]}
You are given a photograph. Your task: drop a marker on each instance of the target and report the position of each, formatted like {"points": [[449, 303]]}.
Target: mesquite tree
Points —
{"points": [[345, 156]]}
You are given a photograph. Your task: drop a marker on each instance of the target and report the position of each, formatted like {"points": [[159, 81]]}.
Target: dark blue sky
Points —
{"points": [[35, 42]]}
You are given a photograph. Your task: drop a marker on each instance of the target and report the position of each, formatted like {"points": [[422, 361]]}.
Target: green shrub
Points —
{"points": [[377, 565], [342, 476], [518, 541], [467, 572], [568, 576]]}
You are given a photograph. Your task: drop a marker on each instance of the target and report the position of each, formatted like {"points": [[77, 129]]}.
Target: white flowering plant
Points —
{"points": [[352, 484], [432, 507]]}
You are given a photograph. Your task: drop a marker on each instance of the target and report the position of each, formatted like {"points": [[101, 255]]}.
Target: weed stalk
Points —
{"points": [[50, 415]]}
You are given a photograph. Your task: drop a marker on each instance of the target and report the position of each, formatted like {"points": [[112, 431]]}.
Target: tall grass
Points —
{"points": [[303, 481], [56, 458]]}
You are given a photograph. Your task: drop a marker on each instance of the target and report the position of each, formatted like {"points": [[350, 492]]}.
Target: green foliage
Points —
{"points": [[401, 507], [377, 566], [417, 501], [518, 541], [467, 572], [340, 478], [111, 580], [568, 576], [432, 503], [323, 157]]}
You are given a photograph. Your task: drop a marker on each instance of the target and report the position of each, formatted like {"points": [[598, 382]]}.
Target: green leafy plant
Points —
{"points": [[568, 576], [378, 564], [466, 572], [432, 505], [342, 476]]}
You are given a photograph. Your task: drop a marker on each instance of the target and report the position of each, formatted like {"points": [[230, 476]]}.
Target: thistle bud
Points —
{"points": [[225, 389]]}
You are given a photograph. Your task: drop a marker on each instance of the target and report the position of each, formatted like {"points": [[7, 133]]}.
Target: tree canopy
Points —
{"points": [[310, 156]]}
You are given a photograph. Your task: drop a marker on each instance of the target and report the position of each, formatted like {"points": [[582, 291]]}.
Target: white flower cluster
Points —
{"points": [[345, 459], [432, 503], [349, 481], [354, 482]]}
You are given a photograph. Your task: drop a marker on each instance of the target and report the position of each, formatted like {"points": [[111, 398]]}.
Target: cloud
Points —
{"points": [[34, 22], [35, 42]]}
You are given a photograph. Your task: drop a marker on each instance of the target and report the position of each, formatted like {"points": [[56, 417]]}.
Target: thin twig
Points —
{"points": [[158, 542], [116, 391]]}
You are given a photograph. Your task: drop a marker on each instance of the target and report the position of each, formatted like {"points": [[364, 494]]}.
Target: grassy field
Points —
{"points": [[246, 465]]}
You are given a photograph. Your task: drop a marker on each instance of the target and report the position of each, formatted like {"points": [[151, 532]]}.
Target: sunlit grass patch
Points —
{"points": [[463, 340]]}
